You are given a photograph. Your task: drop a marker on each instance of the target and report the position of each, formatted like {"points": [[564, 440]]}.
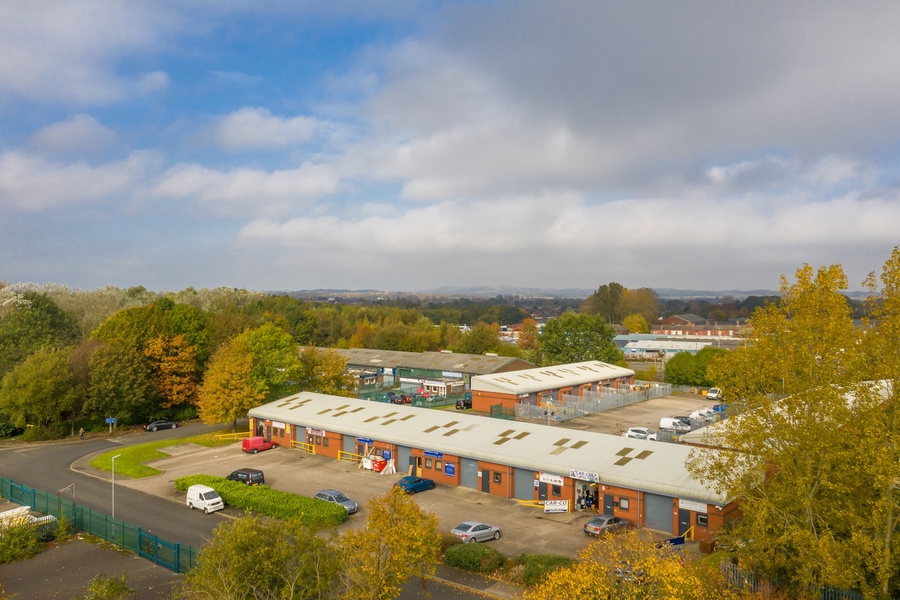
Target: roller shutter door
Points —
{"points": [[524, 484], [348, 444], [403, 455], [468, 473], [658, 512]]}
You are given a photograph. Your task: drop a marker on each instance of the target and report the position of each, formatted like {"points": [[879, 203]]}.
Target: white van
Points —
{"points": [[203, 496], [674, 424]]}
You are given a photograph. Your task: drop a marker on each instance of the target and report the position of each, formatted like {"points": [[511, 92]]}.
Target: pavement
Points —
{"points": [[526, 529]]}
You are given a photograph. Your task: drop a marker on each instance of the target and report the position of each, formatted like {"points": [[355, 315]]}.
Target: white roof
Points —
{"points": [[541, 379], [655, 467]]}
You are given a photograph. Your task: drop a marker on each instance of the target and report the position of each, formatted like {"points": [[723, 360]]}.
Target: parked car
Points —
{"points": [[463, 403], [256, 444], [412, 485], [714, 394], [703, 414], [204, 497], [248, 476], [605, 523], [474, 531], [406, 398], [163, 424], [674, 424], [338, 498], [640, 433]]}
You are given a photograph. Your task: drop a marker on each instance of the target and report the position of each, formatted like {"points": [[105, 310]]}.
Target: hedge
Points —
{"points": [[476, 558], [537, 566], [264, 500]]}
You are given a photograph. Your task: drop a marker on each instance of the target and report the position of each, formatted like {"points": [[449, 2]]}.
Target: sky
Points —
{"points": [[407, 146]]}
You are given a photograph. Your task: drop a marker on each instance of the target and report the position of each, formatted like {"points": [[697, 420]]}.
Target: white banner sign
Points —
{"points": [[556, 506], [277, 424], [584, 475], [551, 479], [312, 431], [694, 506]]}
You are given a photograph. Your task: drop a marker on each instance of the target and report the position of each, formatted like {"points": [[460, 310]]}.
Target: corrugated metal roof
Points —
{"points": [[655, 467], [539, 379], [473, 364]]}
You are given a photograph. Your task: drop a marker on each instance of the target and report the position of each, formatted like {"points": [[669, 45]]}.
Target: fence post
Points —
{"points": [[177, 557]]}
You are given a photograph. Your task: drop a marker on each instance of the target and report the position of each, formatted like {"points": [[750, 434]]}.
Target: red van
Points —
{"points": [[256, 443]]}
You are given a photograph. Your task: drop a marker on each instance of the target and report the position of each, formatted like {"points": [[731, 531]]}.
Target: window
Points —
{"points": [[427, 463], [438, 465], [557, 490], [318, 441], [702, 520], [623, 503], [498, 477], [325, 441]]}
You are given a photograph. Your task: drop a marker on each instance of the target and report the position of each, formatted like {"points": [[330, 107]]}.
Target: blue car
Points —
{"points": [[411, 484]]}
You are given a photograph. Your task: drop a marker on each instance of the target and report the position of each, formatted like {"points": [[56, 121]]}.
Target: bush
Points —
{"points": [[184, 413], [55, 431], [537, 566], [476, 558], [7, 429], [448, 539], [262, 499], [19, 541]]}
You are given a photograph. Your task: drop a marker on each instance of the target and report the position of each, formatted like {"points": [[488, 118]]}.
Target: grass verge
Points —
{"points": [[132, 459]]}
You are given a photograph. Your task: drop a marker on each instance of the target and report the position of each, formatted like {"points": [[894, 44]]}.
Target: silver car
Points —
{"points": [[338, 498], [475, 531], [603, 523]]}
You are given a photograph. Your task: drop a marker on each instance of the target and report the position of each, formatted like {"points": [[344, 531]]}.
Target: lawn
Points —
{"points": [[132, 458]]}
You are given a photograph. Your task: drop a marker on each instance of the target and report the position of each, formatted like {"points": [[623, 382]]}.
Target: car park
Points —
{"points": [[204, 497], [161, 424], [605, 524], [257, 443], [640, 433], [338, 498], [248, 476], [714, 394], [412, 485], [475, 531]]}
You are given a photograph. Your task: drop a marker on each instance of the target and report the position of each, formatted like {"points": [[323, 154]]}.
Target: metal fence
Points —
{"points": [[174, 556], [749, 581]]}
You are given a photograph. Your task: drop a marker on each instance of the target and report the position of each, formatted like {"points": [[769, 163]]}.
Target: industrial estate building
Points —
{"points": [[645, 482]]}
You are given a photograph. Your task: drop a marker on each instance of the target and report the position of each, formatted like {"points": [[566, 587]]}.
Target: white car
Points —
{"points": [[703, 414], [714, 394], [640, 433]]}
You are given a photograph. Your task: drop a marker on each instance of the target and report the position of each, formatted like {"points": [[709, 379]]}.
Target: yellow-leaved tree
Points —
{"points": [[228, 392], [173, 369], [399, 541]]}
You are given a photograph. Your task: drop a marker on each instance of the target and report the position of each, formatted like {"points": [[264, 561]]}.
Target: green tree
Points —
{"points": [[576, 337], [41, 390], [805, 478], [681, 369], [274, 355], [636, 323], [605, 302], [643, 301], [480, 339], [35, 322], [701, 364], [120, 384], [227, 391], [253, 558], [400, 540]]}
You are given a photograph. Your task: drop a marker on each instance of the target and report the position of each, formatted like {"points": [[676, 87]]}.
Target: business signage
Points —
{"points": [[584, 475], [319, 432], [277, 424], [556, 506], [364, 441], [386, 454], [450, 469], [691, 505], [433, 454], [551, 479]]}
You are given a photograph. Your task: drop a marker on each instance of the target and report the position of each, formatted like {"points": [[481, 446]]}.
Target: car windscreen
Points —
{"points": [[341, 498], [209, 495]]}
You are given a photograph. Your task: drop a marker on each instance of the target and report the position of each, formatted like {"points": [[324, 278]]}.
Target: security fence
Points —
{"points": [[174, 556]]}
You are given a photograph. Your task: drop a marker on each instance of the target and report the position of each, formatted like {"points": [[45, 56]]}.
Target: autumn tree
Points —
{"points": [[815, 493], [630, 566], [642, 301], [636, 323], [576, 337], [173, 369], [399, 541], [253, 558], [322, 371], [228, 390]]}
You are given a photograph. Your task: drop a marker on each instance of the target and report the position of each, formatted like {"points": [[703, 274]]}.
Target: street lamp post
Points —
{"points": [[114, 485]]}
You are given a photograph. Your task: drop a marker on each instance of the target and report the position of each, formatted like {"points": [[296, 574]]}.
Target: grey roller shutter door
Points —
{"points": [[524, 484], [658, 512], [403, 455], [468, 473], [348, 443]]}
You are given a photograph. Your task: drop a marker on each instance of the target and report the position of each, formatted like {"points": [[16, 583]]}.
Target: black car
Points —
{"points": [[248, 476], [161, 425], [464, 403]]}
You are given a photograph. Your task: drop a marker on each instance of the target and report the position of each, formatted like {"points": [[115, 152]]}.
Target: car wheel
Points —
{"points": [[274, 446], [254, 451], [191, 505], [496, 535], [206, 510], [431, 487], [153, 429], [471, 540], [174, 425]]}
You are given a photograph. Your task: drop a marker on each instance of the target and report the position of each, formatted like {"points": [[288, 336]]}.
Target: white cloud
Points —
{"points": [[30, 183], [81, 134], [248, 191], [257, 128]]}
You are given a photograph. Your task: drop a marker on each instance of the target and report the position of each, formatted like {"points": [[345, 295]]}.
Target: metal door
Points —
{"points": [[658, 512], [684, 521], [468, 473], [485, 480], [403, 455], [608, 504], [542, 490], [523, 484], [347, 444]]}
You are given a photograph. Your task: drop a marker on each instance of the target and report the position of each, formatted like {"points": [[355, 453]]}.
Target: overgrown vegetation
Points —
{"points": [[263, 500], [476, 558], [18, 541]]}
